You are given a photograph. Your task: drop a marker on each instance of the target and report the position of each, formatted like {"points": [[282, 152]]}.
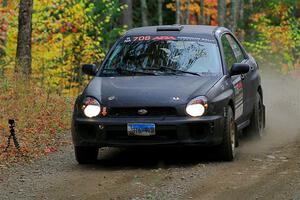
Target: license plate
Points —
{"points": [[140, 129]]}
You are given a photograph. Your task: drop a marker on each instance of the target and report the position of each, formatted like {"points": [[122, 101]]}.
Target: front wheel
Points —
{"points": [[257, 120], [86, 155], [227, 148]]}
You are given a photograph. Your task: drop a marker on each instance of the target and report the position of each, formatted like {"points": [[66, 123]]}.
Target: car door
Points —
{"points": [[249, 79], [233, 54]]}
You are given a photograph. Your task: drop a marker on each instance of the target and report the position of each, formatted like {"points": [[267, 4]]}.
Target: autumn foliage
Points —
{"points": [[66, 34], [277, 37], [210, 11]]}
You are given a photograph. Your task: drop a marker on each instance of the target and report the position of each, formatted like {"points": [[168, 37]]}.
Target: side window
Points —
{"points": [[238, 53], [230, 58]]}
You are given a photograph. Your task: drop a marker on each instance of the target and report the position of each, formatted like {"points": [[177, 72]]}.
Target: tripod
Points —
{"points": [[12, 135]]}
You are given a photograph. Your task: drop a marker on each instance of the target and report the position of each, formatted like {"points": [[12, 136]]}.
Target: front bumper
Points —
{"points": [[112, 132]]}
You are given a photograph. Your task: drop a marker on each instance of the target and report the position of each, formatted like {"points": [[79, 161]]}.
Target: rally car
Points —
{"points": [[170, 85]]}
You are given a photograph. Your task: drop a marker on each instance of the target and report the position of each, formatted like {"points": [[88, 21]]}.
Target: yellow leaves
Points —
{"points": [[195, 8], [210, 9], [277, 35], [65, 35], [171, 6], [101, 55], [257, 17], [107, 19], [77, 50]]}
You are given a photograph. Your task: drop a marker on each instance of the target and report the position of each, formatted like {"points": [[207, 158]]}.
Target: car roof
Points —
{"points": [[179, 29]]}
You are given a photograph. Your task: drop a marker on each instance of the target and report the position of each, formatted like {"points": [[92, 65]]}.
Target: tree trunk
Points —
{"points": [[159, 11], [221, 12], [178, 11], [144, 11], [23, 57], [127, 13], [3, 37], [3, 31], [234, 19], [187, 20], [241, 9], [251, 4], [251, 31], [241, 21], [201, 16], [208, 19]]}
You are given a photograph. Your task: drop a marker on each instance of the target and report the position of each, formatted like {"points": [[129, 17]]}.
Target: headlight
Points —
{"points": [[91, 107], [197, 106]]}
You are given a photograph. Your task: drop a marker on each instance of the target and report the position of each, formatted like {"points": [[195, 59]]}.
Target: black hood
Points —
{"points": [[149, 90]]}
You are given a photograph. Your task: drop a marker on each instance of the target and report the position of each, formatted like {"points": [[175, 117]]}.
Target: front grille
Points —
{"points": [[133, 111]]}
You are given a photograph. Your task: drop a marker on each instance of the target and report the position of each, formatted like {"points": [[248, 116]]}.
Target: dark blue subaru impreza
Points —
{"points": [[170, 85]]}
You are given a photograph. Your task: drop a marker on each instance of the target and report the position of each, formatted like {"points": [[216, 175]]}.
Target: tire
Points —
{"points": [[86, 155], [227, 148], [256, 127]]}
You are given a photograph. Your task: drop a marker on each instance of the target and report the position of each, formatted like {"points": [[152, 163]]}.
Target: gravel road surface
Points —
{"points": [[265, 169]]}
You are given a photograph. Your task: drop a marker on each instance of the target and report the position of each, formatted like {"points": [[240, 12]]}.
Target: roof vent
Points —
{"points": [[170, 28]]}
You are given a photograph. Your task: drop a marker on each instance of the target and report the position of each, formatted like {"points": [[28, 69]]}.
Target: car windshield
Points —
{"points": [[160, 55]]}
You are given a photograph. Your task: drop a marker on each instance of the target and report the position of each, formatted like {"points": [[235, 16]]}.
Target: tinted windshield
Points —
{"points": [[152, 53]]}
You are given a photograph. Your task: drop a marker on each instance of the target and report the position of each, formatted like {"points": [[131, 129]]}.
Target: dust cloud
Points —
{"points": [[282, 101]]}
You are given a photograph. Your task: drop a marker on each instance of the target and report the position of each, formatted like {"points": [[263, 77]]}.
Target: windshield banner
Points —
{"points": [[141, 38]]}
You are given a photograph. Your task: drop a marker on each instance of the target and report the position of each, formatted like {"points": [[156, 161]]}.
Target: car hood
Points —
{"points": [[136, 91]]}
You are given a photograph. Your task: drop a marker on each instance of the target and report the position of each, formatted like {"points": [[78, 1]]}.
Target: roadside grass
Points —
{"points": [[42, 120]]}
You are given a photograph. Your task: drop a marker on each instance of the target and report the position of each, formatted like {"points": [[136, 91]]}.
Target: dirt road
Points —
{"points": [[266, 169]]}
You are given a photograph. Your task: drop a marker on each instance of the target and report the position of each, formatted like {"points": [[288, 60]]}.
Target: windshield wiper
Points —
{"points": [[121, 71], [163, 68]]}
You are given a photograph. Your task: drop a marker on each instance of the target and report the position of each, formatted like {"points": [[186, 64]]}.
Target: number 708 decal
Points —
{"points": [[148, 37], [141, 38]]}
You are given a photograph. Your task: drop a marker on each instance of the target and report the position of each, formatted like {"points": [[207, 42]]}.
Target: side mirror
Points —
{"points": [[239, 68], [89, 69]]}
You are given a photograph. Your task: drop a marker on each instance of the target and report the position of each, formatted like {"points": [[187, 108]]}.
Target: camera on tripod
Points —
{"points": [[11, 122], [12, 135]]}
